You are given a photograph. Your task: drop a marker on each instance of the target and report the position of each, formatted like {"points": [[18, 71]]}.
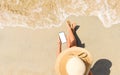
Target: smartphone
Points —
{"points": [[62, 37]]}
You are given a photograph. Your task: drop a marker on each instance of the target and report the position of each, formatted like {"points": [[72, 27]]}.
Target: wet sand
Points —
{"points": [[33, 52]]}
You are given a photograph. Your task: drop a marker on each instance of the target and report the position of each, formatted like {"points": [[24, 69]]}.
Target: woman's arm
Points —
{"points": [[59, 47]]}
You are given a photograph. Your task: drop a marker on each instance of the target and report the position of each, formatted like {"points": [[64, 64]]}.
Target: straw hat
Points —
{"points": [[61, 64]]}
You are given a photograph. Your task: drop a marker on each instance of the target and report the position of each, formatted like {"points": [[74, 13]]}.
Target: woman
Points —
{"points": [[72, 56]]}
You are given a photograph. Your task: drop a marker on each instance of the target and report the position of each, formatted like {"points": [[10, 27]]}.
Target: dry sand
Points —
{"points": [[33, 52]]}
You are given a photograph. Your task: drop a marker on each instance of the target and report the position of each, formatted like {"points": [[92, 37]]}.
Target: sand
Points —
{"points": [[24, 51], [33, 52], [45, 13]]}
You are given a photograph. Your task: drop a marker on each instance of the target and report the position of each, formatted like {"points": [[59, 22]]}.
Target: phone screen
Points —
{"points": [[62, 37]]}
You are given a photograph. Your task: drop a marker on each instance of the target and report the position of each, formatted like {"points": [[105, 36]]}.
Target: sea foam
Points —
{"points": [[52, 13]]}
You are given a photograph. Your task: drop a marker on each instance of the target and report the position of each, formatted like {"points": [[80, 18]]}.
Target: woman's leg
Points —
{"points": [[68, 41], [71, 41]]}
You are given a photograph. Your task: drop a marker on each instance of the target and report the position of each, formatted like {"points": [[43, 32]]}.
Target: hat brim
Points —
{"points": [[60, 65]]}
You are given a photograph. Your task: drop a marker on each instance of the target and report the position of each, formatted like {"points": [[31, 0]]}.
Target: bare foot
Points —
{"points": [[73, 26], [71, 38], [68, 25]]}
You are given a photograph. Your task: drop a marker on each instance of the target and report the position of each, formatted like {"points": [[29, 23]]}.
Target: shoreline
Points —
{"points": [[39, 46]]}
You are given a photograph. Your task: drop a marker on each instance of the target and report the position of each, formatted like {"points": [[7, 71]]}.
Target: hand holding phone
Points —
{"points": [[62, 37]]}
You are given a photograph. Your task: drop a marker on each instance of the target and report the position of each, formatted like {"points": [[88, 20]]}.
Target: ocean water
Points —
{"points": [[49, 13]]}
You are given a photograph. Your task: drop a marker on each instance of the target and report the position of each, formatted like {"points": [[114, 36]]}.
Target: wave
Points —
{"points": [[52, 13]]}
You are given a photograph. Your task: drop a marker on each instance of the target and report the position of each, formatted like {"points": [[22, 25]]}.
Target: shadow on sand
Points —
{"points": [[102, 67], [79, 43]]}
